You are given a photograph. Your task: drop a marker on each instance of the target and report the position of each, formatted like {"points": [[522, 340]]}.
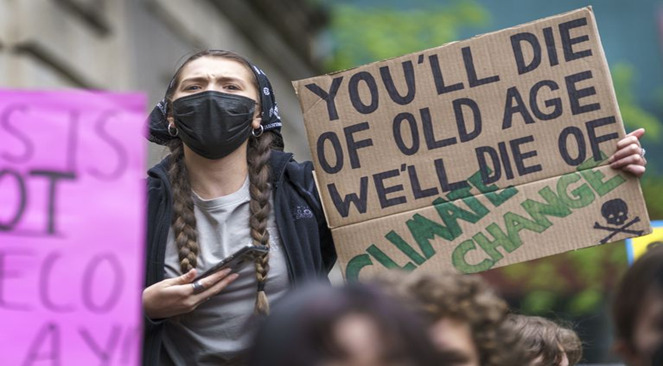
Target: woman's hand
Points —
{"points": [[629, 156], [174, 296]]}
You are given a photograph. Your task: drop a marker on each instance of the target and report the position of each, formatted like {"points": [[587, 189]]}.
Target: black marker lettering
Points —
{"points": [[439, 79], [568, 42], [484, 167], [53, 177], [429, 133], [562, 144], [120, 153], [355, 98], [6, 274], [471, 70], [353, 145], [595, 140], [519, 157], [516, 44], [513, 95], [49, 332], [576, 94], [343, 205], [329, 96], [88, 286], [556, 103], [28, 146], [45, 276], [408, 75], [444, 179], [22, 198], [460, 119], [104, 354], [383, 191], [413, 130], [338, 152]]}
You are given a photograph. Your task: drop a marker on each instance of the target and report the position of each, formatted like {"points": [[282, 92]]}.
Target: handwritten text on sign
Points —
{"points": [[71, 227], [448, 127]]}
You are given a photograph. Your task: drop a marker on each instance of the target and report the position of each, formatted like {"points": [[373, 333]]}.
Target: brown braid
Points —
{"points": [[259, 207], [184, 220]]}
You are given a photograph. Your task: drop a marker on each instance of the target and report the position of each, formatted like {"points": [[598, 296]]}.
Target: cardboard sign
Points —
{"points": [[636, 247], [475, 154], [72, 219]]}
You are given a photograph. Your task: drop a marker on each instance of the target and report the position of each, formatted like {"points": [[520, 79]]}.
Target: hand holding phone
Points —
{"points": [[244, 255]]}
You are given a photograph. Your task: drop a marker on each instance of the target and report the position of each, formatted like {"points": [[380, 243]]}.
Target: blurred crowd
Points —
{"points": [[403, 318]]}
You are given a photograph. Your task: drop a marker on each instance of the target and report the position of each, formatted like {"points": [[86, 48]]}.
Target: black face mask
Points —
{"points": [[213, 124]]}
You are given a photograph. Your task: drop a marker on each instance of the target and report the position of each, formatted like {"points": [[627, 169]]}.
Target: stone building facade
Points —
{"points": [[136, 45]]}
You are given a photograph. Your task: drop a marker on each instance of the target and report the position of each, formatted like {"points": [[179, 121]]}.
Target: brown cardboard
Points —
{"points": [[489, 108]]}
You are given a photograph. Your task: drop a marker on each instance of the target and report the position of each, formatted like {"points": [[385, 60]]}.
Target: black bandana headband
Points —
{"points": [[271, 121]]}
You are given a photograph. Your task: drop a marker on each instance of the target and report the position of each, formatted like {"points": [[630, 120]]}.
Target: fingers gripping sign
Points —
{"points": [[630, 156], [179, 295]]}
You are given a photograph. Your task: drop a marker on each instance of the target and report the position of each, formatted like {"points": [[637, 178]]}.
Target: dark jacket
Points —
{"points": [[305, 238]]}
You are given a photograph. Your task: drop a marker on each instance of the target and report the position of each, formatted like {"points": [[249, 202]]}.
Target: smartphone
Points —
{"points": [[247, 254]]}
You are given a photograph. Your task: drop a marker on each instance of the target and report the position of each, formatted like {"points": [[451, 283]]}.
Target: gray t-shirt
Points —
{"points": [[217, 330]]}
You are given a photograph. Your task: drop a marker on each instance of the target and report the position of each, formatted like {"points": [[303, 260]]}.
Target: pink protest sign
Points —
{"points": [[72, 220]]}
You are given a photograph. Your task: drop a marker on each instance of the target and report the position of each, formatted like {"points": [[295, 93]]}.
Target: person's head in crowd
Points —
{"points": [[571, 344], [638, 310], [541, 342], [353, 325], [463, 313]]}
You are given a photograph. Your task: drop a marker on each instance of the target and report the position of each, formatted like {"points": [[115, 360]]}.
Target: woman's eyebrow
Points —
{"points": [[195, 79], [230, 79], [198, 79]]}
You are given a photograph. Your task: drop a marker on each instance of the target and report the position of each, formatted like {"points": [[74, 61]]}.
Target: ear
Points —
{"points": [[255, 124], [170, 120]]}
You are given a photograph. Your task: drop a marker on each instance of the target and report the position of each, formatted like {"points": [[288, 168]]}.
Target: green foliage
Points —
{"points": [[575, 283], [367, 34], [586, 302], [634, 116], [652, 186], [538, 302]]}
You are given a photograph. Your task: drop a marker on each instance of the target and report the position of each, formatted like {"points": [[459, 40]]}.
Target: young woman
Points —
{"points": [[223, 187]]}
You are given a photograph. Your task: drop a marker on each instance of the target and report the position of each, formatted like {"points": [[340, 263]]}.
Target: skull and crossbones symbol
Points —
{"points": [[615, 213]]}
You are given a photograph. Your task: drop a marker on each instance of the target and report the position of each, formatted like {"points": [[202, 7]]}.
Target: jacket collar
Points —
{"points": [[279, 160]]}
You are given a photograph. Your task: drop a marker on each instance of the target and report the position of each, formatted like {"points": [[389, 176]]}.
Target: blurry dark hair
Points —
{"points": [[571, 344], [301, 328], [657, 359], [532, 337], [645, 275], [450, 295]]}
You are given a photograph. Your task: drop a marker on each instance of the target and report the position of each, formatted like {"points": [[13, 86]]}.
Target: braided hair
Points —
{"points": [[184, 220], [259, 207]]}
